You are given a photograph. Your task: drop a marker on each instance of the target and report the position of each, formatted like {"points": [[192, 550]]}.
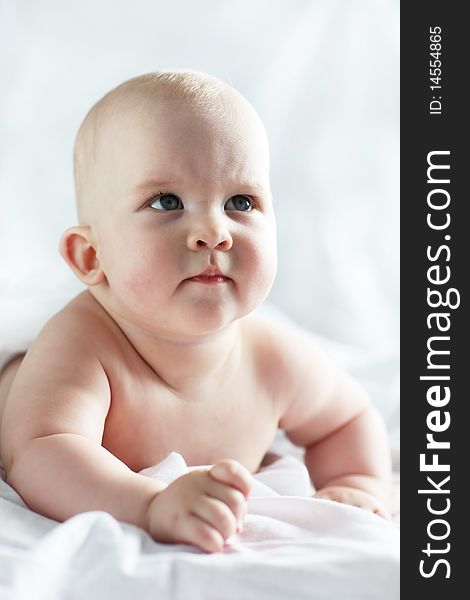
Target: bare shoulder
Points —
{"points": [[315, 394], [61, 385], [81, 320], [72, 347], [284, 354], [263, 337], [82, 329]]}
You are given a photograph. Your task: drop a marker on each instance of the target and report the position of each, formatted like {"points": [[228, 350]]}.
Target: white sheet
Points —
{"points": [[291, 546]]}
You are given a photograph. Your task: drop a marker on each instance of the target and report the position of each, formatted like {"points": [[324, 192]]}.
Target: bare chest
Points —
{"points": [[146, 422]]}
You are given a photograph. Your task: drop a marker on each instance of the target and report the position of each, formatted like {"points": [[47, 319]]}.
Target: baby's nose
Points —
{"points": [[210, 234]]}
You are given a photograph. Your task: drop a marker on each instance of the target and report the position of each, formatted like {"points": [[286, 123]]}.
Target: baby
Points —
{"points": [[176, 247]]}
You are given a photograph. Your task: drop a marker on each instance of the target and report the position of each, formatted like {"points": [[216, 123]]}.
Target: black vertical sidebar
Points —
{"points": [[435, 252]]}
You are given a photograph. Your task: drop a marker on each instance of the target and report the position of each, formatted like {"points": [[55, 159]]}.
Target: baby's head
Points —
{"points": [[172, 180]]}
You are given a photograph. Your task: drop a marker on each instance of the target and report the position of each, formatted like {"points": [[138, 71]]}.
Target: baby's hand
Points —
{"points": [[203, 508], [355, 497]]}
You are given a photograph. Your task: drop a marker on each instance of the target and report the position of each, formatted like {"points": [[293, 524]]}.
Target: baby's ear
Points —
{"points": [[78, 250]]}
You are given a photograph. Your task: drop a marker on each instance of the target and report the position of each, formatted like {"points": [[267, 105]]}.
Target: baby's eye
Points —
{"points": [[166, 202], [239, 202]]}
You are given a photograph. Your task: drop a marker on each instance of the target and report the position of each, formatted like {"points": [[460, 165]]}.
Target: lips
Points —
{"points": [[213, 279], [210, 276]]}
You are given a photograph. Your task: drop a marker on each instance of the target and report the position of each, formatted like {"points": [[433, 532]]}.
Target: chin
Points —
{"points": [[207, 319]]}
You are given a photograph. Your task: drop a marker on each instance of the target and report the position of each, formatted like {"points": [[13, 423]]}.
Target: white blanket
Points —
{"points": [[291, 546]]}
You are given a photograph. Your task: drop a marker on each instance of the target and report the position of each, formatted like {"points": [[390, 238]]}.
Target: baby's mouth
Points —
{"points": [[211, 277]]}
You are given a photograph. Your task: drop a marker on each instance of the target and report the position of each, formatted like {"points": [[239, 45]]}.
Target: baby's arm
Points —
{"points": [[346, 444], [51, 438], [352, 463]]}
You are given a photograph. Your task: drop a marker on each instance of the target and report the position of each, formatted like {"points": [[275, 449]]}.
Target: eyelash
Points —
{"points": [[161, 193], [156, 196]]}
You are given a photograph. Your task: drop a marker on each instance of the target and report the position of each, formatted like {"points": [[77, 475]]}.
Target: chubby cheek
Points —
{"points": [[259, 269], [136, 269]]}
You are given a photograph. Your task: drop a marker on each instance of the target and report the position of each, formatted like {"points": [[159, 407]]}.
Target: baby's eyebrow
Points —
{"points": [[256, 186], [247, 186], [153, 183]]}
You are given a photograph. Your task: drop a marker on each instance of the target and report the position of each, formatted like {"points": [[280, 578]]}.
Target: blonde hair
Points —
{"points": [[201, 90]]}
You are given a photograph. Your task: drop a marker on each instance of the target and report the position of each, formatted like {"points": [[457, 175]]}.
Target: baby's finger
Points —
{"points": [[373, 506], [327, 495], [234, 474], [201, 534], [233, 498], [217, 514], [382, 512]]}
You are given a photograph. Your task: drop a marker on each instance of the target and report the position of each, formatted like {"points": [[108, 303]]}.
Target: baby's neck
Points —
{"points": [[189, 366]]}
